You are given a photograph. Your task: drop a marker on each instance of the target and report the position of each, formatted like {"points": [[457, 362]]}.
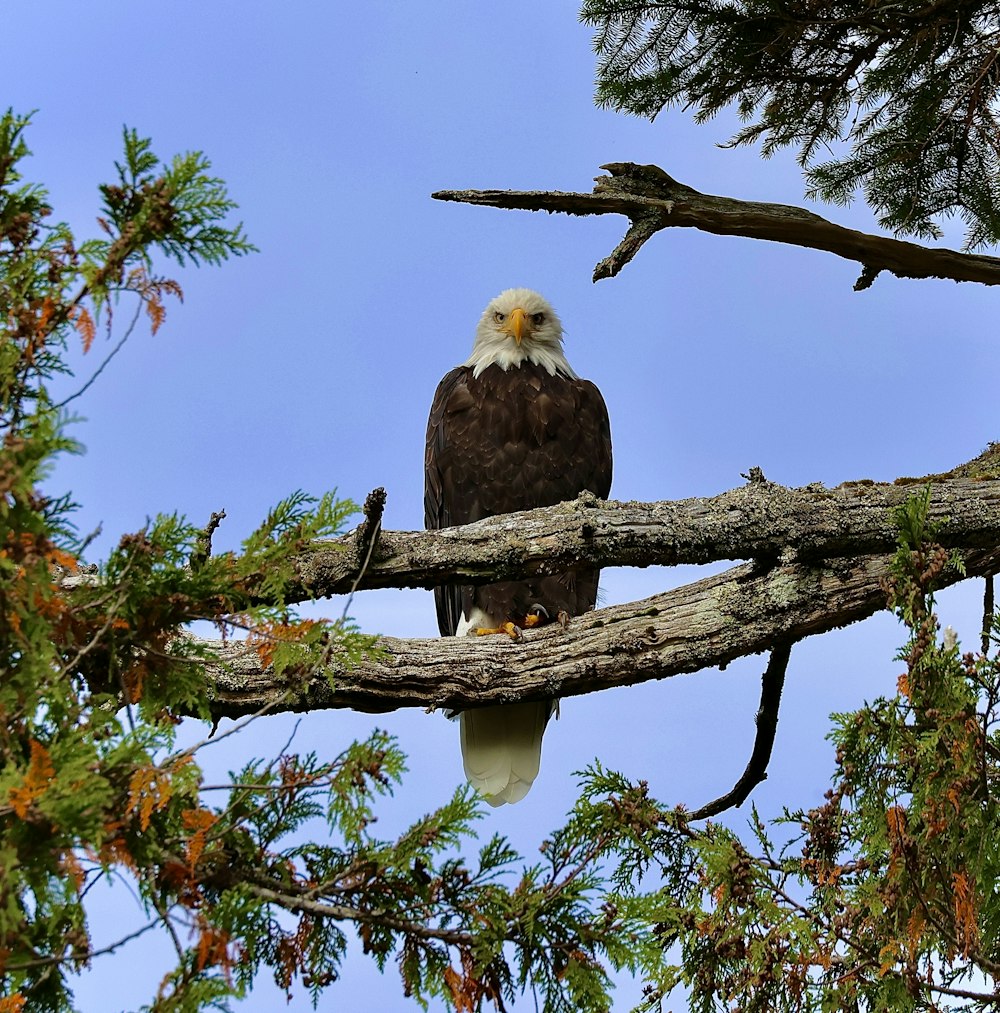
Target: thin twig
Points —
{"points": [[164, 914], [238, 726], [771, 684], [114, 351], [988, 607], [249, 787], [365, 539], [81, 957]]}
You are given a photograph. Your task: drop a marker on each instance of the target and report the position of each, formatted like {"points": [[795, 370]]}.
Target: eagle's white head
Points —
{"points": [[519, 326]]}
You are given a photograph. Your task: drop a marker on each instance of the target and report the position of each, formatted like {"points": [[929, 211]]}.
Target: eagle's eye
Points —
{"points": [[538, 319], [499, 317]]}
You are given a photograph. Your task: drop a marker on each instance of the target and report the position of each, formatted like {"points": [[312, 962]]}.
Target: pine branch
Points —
{"points": [[652, 201]]}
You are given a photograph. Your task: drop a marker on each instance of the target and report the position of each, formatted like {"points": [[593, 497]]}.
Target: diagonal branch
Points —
{"points": [[708, 623], [652, 200]]}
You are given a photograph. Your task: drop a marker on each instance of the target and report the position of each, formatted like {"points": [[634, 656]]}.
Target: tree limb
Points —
{"points": [[819, 560], [755, 521], [709, 623], [652, 200], [294, 902]]}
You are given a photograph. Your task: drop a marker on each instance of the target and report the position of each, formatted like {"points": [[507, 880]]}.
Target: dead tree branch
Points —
{"points": [[819, 558], [771, 684], [709, 623], [652, 200], [755, 521]]}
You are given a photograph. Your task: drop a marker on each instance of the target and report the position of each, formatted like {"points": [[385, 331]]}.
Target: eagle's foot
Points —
{"points": [[511, 629], [563, 618], [536, 615]]}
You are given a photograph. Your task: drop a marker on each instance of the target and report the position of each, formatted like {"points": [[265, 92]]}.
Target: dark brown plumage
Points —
{"points": [[512, 440]]}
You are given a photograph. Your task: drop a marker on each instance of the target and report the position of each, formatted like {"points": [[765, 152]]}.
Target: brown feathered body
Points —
{"points": [[511, 440]]}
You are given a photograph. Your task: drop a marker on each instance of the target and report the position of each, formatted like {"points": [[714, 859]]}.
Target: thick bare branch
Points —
{"points": [[743, 611], [756, 521], [652, 200]]}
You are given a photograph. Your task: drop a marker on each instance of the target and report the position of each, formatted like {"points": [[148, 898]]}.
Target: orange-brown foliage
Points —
{"points": [[213, 948], [40, 772], [149, 791], [265, 637], [966, 923], [200, 821], [84, 323]]}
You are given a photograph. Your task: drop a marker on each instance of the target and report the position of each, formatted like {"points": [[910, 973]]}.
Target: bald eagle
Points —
{"points": [[512, 428]]}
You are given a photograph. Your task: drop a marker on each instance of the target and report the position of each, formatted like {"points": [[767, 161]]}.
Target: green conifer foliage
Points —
{"points": [[896, 100]]}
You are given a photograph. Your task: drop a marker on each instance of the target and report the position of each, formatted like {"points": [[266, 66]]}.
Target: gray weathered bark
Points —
{"points": [[759, 520], [819, 559], [652, 200], [742, 611]]}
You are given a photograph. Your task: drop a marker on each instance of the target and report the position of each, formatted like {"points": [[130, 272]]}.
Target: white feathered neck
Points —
{"points": [[541, 342]]}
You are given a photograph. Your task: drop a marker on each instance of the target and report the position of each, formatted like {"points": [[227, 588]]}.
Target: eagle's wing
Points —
{"points": [[503, 441], [452, 392]]}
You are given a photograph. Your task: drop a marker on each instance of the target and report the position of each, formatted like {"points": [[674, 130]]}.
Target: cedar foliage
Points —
{"points": [[881, 897], [898, 100]]}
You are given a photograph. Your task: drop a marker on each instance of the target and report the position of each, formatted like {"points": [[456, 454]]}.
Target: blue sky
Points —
{"points": [[312, 364]]}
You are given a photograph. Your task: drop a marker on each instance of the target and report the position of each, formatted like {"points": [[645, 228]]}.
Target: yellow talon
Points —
{"points": [[511, 629]]}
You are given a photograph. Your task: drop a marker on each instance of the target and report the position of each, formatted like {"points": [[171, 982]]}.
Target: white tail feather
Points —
{"points": [[502, 748]]}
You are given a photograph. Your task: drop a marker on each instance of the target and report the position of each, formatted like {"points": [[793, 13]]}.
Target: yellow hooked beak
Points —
{"points": [[516, 325]]}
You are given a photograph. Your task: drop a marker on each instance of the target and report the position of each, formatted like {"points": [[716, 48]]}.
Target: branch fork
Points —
{"points": [[653, 200]]}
